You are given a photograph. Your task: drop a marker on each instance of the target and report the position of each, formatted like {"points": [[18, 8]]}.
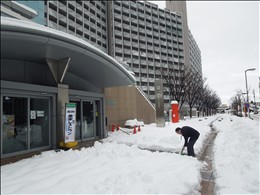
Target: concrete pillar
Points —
{"points": [[58, 69], [63, 97], [159, 103]]}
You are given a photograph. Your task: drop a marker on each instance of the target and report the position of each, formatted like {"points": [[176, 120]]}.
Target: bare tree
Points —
{"points": [[236, 103], [175, 84], [208, 101], [194, 88], [185, 86]]}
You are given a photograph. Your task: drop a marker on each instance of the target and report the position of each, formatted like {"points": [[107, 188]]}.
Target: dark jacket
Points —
{"points": [[188, 132]]}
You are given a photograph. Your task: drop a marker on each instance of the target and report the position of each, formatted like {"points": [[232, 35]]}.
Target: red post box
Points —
{"points": [[175, 111]]}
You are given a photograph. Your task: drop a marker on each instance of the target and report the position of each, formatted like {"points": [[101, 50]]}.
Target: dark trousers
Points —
{"points": [[190, 145]]}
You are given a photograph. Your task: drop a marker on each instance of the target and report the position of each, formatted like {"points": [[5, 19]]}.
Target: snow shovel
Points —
{"points": [[180, 151]]}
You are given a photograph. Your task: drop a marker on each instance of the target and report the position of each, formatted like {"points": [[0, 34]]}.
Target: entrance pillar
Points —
{"points": [[62, 99], [58, 69]]}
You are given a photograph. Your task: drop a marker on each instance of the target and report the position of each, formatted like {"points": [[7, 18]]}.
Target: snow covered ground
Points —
{"points": [[124, 163], [236, 154]]}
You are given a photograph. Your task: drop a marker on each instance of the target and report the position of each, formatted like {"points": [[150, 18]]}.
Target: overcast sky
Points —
{"points": [[227, 34]]}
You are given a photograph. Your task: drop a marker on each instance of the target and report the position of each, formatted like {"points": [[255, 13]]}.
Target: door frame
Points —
{"points": [[28, 95]]}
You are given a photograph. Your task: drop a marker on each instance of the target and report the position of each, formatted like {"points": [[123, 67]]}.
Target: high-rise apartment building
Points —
{"points": [[192, 51], [148, 39]]}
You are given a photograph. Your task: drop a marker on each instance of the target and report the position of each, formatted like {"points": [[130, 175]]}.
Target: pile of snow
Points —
{"points": [[133, 123], [236, 155], [108, 168]]}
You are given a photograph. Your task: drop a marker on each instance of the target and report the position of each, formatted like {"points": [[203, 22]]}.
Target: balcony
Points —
{"points": [[63, 29], [126, 34], [152, 88], [143, 70], [143, 54], [136, 61], [62, 18], [127, 51], [119, 24], [71, 11], [91, 34], [144, 88], [157, 64], [136, 70], [53, 3], [126, 42], [61, 6], [133, 20], [144, 79], [119, 41], [53, 13], [52, 24], [78, 16], [126, 10], [142, 46], [141, 22], [164, 65], [117, 32], [126, 26], [151, 80]]}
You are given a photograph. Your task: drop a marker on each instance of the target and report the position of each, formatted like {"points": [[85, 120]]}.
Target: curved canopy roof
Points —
{"points": [[23, 40]]}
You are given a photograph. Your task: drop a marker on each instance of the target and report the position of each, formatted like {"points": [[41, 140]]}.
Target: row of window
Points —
{"points": [[129, 14], [78, 19], [153, 10]]}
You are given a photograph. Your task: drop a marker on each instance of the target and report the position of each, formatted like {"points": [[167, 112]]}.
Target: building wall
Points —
{"points": [[123, 103], [195, 55], [181, 8]]}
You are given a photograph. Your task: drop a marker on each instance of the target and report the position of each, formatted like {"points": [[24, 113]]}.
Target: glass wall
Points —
{"points": [[25, 123], [39, 7]]}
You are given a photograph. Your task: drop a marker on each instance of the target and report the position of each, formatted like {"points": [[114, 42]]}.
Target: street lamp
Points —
{"points": [[250, 69]]}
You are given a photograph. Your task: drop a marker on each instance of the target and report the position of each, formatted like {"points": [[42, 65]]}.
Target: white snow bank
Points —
{"points": [[236, 155], [107, 168]]}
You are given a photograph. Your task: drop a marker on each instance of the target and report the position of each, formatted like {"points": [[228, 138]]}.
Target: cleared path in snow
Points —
{"points": [[206, 156]]}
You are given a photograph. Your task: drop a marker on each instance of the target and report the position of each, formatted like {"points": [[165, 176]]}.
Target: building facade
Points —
{"points": [[143, 37], [148, 39]]}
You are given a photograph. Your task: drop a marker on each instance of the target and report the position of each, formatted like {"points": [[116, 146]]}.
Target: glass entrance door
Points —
{"points": [[88, 124], [25, 123], [39, 122], [85, 119], [14, 124]]}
